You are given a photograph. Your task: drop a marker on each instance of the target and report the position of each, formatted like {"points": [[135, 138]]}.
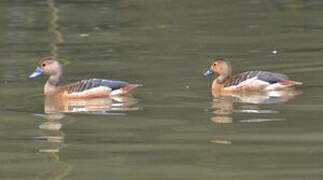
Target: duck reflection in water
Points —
{"points": [[104, 106], [224, 105], [57, 108], [52, 138]]}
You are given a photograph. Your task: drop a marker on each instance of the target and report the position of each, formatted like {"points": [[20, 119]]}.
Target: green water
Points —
{"points": [[174, 129]]}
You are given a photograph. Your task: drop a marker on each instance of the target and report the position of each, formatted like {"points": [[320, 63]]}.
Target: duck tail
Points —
{"points": [[125, 90], [290, 83], [282, 85], [130, 87]]}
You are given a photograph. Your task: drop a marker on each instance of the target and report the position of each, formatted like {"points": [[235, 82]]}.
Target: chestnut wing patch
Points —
{"points": [[93, 83], [261, 75]]}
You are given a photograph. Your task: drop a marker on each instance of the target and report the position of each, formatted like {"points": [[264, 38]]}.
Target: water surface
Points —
{"points": [[176, 130]]}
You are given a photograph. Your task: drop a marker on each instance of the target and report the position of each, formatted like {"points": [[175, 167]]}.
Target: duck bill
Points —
{"points": [[36, 73], [207, 73]]}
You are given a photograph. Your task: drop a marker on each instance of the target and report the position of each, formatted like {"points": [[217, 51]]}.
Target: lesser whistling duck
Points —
{"points": [[246, 81], [82, 89]]}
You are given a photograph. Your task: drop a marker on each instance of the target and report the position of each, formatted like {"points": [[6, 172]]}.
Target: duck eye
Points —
{"points": [[43, 65]]}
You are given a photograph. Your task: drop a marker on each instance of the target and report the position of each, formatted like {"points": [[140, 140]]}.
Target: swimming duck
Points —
{"points": [[83, 89], [246, 81]]}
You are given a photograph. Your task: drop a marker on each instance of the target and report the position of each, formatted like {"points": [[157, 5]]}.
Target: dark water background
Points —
{"points": [[179, 131]]}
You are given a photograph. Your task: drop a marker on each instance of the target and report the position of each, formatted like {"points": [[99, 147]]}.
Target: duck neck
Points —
{"points": [[222, 78], [51, 84], [224, 75]]}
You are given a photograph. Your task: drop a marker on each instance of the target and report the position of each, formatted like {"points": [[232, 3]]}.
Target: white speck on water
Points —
{"points": [[84, 35], [275, 51], [188, 87]]}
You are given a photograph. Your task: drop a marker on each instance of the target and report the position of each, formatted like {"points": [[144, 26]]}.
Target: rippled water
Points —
{"points": [[172, 128]]}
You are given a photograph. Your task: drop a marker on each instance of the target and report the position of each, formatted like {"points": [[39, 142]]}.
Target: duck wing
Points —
{"points": [[265, 76], [84, 85]]}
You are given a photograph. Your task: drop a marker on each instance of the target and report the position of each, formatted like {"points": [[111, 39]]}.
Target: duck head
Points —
{"points": [[221, 67], [49, 66]]}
